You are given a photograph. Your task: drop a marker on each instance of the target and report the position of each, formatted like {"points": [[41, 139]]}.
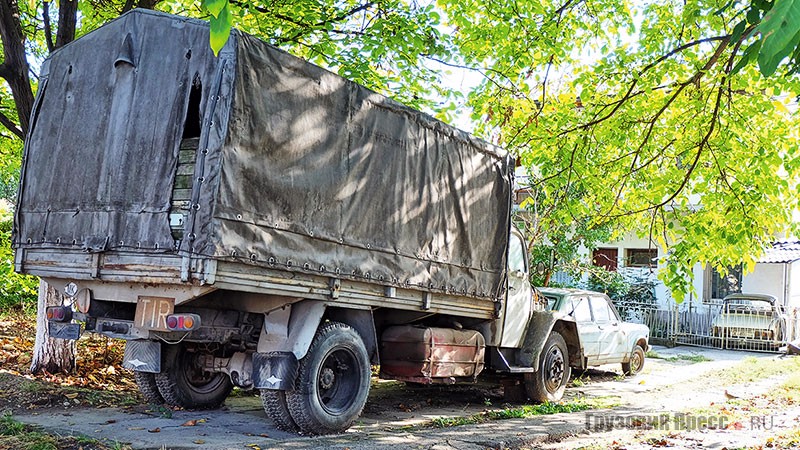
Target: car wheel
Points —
{"points": [[548, 383], [636, 362], [185, 383], [148, 387], [333, 381], [277, 409]]}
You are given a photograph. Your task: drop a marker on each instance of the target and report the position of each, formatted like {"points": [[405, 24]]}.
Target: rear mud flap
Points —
{"points": [[275, 370], [142, 356]]}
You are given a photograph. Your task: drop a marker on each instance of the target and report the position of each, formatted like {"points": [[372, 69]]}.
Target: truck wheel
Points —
{"points": [[277, 409], [636, 363], [333, 381], [548, 383], [148, 387], [183, 382]]}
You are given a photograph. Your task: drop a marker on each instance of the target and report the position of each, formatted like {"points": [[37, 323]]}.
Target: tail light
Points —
{"points": [[183, 322], [59, 313]]}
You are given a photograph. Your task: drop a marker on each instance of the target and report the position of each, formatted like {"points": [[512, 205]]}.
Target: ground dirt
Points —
{"points": [[100, 401]]}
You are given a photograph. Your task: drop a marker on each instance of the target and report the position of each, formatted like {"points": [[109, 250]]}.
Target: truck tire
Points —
{"points": [[148, 387], [278, 410], [333, 381], [549, 381], [184, 383], [636, 362]]}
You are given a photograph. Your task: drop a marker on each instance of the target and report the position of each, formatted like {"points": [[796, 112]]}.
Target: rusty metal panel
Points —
{"points": [[427, 355]]}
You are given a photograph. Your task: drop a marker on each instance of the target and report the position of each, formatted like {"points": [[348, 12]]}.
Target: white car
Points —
{"points": [[605, 338]]}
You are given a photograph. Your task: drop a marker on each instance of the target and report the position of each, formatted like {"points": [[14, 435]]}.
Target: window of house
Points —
{"points": [[722, 285], [605, 258], [641, 257]]}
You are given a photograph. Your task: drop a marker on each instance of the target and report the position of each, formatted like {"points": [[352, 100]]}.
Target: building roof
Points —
{"points": [[783, 251]]}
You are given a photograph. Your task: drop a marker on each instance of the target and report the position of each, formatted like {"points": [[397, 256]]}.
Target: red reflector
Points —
{"points": [[183, 322], [59, 313]]}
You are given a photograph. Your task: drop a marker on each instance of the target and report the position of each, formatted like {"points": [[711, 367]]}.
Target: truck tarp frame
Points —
{"points": [[298, 169]]}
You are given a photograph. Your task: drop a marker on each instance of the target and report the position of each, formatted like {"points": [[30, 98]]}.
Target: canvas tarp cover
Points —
{"points": [[301, 170], [101, 155]]}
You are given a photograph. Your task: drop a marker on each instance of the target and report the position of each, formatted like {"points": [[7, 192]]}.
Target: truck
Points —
{"points": [[250, 219]]}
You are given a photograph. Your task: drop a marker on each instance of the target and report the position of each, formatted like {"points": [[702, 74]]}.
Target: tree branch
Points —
{"points": [[11, 126]]}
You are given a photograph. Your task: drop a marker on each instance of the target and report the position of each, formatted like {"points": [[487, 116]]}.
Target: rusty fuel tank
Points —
{"points": [[431, 355]]}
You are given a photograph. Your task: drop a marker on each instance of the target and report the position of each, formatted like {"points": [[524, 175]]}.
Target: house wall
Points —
{"points": [[767, 278], [794, 284]]}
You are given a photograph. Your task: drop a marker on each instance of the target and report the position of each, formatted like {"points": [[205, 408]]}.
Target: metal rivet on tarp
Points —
{"points": [[311, 233], [289, 263], [238, 217], [368, 276], [192, 236], [253, 256], [29, 240], [369, 246], [271, 261], [338, 271], [58, 240], [306, 266], [233, 252], [196, 206], [322, 268], [121, 243], [138, 244], [156, 245], [74, 241], [201, 179]]}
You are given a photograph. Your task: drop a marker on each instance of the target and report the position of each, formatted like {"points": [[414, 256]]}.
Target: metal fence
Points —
{"points": [[712, 324]]}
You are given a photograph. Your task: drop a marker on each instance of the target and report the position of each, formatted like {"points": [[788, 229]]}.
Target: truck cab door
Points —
{"points": [[519, 301]]}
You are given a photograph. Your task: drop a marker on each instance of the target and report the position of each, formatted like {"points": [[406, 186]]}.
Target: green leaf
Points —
{"points": [[32, 4], [220, 29], [780, 31], [749, 55], [737, 31], [215, 7]]}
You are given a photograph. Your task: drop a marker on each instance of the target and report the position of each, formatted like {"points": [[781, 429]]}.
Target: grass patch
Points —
{"points": [[526, 411], [15, 435], [693, 358], [755, 369]]}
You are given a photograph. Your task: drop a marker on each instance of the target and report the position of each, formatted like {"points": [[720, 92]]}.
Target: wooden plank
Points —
{"points": [[183, 182], [191, 143], [187, 169], [187, 157], [181, 195]]}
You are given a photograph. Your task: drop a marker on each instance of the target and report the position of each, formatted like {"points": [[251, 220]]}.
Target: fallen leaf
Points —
{"points": [[641, 382], [264, 435], [71, 396], [111, 421], [199, 441], [189, 423], [154, 430], [135, 428]]}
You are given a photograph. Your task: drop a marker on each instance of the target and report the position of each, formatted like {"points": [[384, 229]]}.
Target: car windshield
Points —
{"points": [[744, 304], [552, 301]]}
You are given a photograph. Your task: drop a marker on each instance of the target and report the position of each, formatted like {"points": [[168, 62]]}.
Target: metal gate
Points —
{"points": [[708, 324]]}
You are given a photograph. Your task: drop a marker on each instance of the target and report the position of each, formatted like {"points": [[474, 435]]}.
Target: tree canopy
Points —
{"points": [[672, 119]]}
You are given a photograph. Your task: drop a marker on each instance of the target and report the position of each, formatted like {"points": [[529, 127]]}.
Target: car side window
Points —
{"points": [[602, 312], [516, 255], [580, 308]]}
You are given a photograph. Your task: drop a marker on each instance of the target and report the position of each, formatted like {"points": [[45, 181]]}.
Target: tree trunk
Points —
{"points": [[67, 21], [50, 355], [14, 68]]}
